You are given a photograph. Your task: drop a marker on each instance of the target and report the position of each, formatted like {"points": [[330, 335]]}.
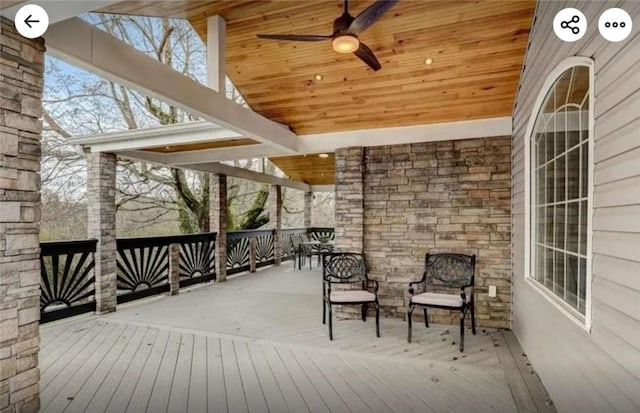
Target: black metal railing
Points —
{"points": [[321, 233], [243, 246], [143, 263], [67, 279]]}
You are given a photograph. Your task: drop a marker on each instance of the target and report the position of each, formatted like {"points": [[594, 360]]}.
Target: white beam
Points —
{"points": [[144, 156], [59, 10], [203, 131], [217, 168], [90, 48], [221, 154], [323, 188], [216, 54], [169, 135], [329, 142]]}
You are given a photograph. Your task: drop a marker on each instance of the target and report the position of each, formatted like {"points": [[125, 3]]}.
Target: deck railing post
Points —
{"points": [[252, 254], [174, 269], [101, 183], [275, 221], [218, 222]]}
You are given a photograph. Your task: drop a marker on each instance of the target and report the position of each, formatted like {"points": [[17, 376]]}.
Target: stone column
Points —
{"points": [[174, 269], [275, 220], [218, 222], [101, 225], [21, 69], [308, 209], [349, 187]]}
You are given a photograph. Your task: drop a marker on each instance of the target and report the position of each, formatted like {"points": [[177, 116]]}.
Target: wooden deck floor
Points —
{"points": [[256, 344]]}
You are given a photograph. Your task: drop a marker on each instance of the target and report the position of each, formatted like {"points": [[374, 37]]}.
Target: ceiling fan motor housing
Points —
{"points": [[342, 23]]}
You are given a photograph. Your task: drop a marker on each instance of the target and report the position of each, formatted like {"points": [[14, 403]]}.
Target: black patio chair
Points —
{"points": [[347, 268], [444, 272], [299, 249]]}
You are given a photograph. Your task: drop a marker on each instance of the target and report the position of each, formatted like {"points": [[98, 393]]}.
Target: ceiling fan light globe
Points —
{"points": [[345, 44]]}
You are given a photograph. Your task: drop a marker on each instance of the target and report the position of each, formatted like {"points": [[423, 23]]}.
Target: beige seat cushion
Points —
{"points": [[351, 296], [446, 300]]}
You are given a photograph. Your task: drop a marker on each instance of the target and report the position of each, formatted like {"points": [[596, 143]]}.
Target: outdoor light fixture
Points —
{"points": [[428, 61], [318, 77], [345, 43], [323, 155]]}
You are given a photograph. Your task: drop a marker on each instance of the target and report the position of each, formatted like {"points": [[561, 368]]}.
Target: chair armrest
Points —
{"points": [[411, 284], [375, 284], [463, 292]]}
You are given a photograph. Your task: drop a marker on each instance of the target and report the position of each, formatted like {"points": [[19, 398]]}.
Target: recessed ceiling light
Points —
{"points": [[428, 61], [167, 147], [323, 155], [318, 77]]}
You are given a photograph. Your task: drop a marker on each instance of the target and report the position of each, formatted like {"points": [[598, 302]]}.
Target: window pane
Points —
{"points": [[584, 169], [560, 173], [539, 269], [541, 184], [558, 285], [573, 167], [573, 209], [540, 219], [579, 86], [549, 266], [561, 135], [584, 121], [558, 223], [549, 226], [583, 228], [549, 187], [550, 143], [572, 280], [582, 285]]}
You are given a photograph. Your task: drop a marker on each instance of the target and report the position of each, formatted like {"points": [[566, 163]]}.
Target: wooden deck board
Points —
{"points": [[263, 355]]}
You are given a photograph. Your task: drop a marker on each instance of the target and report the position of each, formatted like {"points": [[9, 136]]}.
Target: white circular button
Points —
{"points": [[570, 24], [615, 24], [31, 21]]}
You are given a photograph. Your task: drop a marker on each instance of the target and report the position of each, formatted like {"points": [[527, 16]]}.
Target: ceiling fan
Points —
{"points": [[346, 29]]}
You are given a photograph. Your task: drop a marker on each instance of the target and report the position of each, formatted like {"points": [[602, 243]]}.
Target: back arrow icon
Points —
{"points": [[28, 21]]}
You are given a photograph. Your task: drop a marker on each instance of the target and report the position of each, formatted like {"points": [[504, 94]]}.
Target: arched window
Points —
{"points": [[559, 188]]}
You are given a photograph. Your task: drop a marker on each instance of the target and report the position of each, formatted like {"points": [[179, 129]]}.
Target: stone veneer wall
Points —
{"points": [[21, 82], [349, 190], [449, 196]]}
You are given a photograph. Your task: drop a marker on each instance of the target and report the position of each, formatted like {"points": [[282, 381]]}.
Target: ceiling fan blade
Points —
{"points": [[294, 37], [366, 55], [370, 15]]}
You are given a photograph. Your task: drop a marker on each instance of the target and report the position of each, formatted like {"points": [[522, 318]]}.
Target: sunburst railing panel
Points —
{"points": [[238, 251], [66, 279], [197, 260]]}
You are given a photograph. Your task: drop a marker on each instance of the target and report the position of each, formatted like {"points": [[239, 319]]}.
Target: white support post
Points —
{"points": [[216, 55]]}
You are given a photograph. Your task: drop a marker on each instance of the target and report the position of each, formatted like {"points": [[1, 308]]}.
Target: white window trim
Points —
{"points": [[583, 322]]}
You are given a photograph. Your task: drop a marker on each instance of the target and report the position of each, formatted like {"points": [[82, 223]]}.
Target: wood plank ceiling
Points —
{"points": [[310, 169], [477, 49]]}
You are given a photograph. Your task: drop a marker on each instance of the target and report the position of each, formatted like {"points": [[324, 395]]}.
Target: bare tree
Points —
{"points": [[78, 103]]}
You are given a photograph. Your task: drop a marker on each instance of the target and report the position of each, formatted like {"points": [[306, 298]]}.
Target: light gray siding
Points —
{"points": [[600, 370]]}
